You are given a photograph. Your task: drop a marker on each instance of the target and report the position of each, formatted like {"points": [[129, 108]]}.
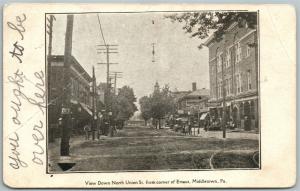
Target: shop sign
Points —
{"points": [[180, 112], [65, 111], [213, 104]]}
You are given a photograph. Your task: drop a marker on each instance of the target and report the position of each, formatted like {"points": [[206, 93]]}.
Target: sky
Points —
{"points": [[178, 61]]}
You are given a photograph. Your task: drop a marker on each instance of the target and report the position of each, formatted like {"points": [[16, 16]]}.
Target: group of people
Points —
{"points": [[103, 128], [216, 123]]}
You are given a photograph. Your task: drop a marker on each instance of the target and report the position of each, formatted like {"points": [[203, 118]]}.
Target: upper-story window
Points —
{"points": [[72, 86], [238, 83], [220, 89], [229, 86], [238, 56], [249, 80], [247, 50], [219, 62], [228, 58], [225, 87]]}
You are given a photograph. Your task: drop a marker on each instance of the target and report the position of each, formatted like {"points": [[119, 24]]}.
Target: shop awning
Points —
{"points": [[85, 107], [203, 116], [182, 119]]}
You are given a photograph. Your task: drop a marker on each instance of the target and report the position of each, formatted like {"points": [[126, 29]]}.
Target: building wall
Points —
{"points": [[193, 104], [240, 76], [79, 86]]}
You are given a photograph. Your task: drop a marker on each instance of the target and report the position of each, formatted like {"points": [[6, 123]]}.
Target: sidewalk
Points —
{"points": [[231, 134], [54, 150]]}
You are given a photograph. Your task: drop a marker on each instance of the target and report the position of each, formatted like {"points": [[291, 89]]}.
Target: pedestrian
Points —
{"points": [[189, 127], [247, 123], [87, 130]]}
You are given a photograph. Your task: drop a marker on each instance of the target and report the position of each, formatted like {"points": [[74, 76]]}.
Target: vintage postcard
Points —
{"points": [[149, 96]]}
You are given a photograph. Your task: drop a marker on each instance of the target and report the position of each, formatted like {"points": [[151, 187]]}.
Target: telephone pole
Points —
{"points": [[94, 117], [66, 105], [107, 49], [49, 25], [223, 100], [116, 75]]}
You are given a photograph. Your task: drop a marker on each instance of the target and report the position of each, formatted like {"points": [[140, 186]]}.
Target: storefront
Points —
{"points": [[243, 112]]}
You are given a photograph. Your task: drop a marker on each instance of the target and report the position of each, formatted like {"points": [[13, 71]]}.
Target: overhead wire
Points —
{"points": [[101, 31]]}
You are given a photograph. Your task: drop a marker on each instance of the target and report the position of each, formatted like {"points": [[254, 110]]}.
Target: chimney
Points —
{"points": [[194, 86]]}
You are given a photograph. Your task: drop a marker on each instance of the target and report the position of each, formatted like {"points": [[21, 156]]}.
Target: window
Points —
{"points": [[228, 62], [229, 89], [241, 83], [225, 87], [72, 87], [249, 80], [220, 89], [238, 83], [238, 56], [219, 62], [248, 51], [77, 89], [240, 51]]}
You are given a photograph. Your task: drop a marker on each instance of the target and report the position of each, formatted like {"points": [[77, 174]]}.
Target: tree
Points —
{"points": [[202, 24], [159, 104], [123, 107], [145, 105]]}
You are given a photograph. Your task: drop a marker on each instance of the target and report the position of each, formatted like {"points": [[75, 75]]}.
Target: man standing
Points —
{"points": [[87, 130]]}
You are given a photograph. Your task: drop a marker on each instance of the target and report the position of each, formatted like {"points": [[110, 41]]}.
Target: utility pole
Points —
{"points": [[223, 90], [49, 25], [107, 49], [116, 75], [94, 117], [66, 105], [224, 102]]}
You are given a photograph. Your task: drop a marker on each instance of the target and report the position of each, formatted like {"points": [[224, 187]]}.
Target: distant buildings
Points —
{"points": [[192, 103], [233, 71]]}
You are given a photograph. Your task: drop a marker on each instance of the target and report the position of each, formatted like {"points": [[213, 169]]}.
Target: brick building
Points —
{"points": [[80, 96], [233, 71], [193, 103]]}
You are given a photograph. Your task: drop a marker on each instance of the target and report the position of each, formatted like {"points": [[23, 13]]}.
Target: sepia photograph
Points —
{"points": [[149, 95], [158, 91]]}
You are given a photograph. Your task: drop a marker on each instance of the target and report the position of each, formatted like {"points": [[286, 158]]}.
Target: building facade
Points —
{"points": [[80, 95], [194, 102], [233, 71]]}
